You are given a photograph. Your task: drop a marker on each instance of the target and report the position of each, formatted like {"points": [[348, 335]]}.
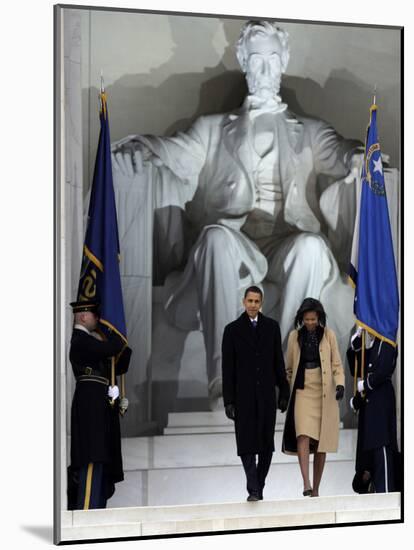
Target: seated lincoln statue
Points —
{"points": [[254, 216]]}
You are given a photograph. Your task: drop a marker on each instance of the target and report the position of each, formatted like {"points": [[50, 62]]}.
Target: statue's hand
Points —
{"points": [[356, 163], [130, 155], [355, 166], [385, 158]]}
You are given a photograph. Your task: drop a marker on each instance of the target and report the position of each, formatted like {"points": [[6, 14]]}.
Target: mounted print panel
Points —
{"points": [[199, 157]]}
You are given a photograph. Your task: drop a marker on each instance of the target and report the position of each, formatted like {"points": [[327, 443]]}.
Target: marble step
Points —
{"points": [[182, 486], [205, 450], [202, 518], [208, 422]]}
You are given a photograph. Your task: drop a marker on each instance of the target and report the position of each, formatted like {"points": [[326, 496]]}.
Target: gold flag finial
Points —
{"points": [[102, 96]]}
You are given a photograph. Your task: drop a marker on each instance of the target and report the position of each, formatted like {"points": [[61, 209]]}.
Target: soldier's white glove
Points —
{"points": [[113, 392], [360, 386], [357, 333]]}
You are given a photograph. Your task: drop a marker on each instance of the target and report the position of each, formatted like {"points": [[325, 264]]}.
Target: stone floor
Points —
{"points": [[204, 518], [195, 462], [190, 480]]}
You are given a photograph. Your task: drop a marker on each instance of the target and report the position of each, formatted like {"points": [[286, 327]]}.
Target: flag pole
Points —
{"points": [[363, 357], [122, 409], [122, 393], [102, 96], [355, 374], [104, 123]]}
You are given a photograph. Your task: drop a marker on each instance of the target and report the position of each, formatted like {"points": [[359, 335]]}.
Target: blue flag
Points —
{"points": [[100, 278], [372, 269]]}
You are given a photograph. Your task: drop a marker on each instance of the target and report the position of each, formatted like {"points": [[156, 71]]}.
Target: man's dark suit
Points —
{"points": [[252, 367]]}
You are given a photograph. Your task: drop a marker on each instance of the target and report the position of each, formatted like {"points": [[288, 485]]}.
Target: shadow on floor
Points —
{"points": [[44, 532]]}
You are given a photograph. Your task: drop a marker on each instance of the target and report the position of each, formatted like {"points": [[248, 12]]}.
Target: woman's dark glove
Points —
{"points": [[339, 392], [230, 411]]}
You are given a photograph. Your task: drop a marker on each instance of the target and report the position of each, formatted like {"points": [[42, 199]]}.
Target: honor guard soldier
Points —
{"points": [[96, 461], [377, 457]]}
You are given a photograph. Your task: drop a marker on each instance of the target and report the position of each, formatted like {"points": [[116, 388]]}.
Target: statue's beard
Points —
{"points": [[264, 88]]}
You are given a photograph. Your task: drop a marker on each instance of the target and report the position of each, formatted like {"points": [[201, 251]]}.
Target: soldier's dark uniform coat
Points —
{"points": [[95, 429], [253, 365], [377, 418], [377, 422]]}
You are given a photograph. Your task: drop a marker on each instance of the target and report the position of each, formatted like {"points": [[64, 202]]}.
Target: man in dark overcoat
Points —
{"points": [[96, 460], [252, 367], [377, 454]]}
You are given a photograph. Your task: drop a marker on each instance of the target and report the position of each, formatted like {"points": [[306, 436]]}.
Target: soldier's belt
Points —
{"points": [[89, 371], [92, 378]]}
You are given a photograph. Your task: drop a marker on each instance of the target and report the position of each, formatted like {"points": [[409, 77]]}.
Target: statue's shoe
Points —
{"points": [[216, 404], [215, 393]]}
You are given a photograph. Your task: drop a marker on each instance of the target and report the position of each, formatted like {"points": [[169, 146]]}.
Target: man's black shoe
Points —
{"points": [[252, 498]]}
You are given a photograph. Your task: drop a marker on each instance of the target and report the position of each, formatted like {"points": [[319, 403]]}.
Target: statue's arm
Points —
{"points": [[184, 154], [337, 156], [334, 155]]}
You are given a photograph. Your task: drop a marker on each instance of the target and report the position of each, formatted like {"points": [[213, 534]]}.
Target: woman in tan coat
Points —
{"points": [[316, 377]]}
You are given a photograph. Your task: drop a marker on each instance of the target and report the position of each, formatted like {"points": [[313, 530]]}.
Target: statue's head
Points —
{"points": [[263, 53]]}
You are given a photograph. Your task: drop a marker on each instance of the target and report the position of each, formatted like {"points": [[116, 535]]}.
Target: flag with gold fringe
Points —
{"points": [[372, 269], [100, 277]]}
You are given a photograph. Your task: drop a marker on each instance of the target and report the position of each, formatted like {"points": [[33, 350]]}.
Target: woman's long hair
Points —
{"points": [[310, 304]]}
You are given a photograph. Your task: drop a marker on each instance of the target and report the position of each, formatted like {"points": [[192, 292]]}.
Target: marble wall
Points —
{"points": [[160, 73]]}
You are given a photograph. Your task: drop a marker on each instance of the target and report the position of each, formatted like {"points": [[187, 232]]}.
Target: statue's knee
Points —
{"points": [[309, 245], [215, 239], [309, 252]]}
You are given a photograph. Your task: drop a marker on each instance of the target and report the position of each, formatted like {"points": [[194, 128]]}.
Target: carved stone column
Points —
{"points": [[69, 206]]}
